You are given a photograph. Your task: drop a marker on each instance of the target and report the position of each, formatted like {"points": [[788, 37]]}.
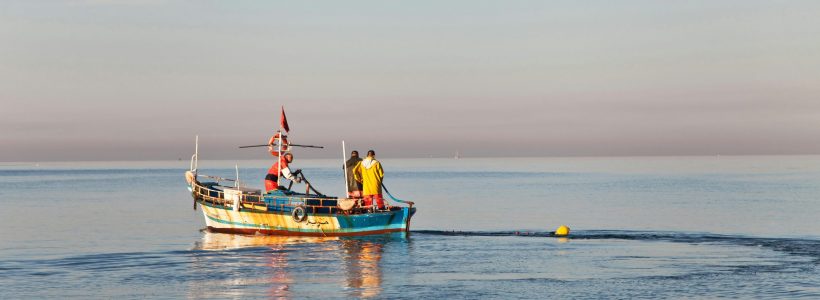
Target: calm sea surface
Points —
{"points": [[642, 227]]}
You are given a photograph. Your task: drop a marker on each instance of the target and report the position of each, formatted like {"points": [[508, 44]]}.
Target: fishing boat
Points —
{"points": [[231, 207]]}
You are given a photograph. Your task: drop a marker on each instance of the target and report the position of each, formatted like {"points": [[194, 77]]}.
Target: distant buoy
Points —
{"points": [[562, 231]]}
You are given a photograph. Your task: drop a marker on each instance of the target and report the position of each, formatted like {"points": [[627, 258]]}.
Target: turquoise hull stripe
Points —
{"points": [[362, 229]]}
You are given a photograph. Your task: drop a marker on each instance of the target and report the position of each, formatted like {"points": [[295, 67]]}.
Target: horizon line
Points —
{"points": [[6, 163]]}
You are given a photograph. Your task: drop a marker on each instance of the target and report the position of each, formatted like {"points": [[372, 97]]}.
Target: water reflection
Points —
{"points": [[237, 266], [361, 261], [280, 281]]}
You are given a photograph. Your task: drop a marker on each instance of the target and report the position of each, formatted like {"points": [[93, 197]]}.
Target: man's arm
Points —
{"points": [[289, 175], [357, 172]]}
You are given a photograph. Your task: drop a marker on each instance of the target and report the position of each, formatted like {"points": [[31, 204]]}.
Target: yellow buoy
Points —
{"points": [[562, 230]]}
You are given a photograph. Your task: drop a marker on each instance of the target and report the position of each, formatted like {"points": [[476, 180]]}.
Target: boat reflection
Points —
{"points": [[282, 264], [361, 264], [224, 241]]}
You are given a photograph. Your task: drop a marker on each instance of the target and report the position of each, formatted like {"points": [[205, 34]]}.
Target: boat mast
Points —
{"points": [[279, 156]]}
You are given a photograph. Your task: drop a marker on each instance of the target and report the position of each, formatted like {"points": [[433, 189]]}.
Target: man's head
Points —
{"points": [[354, 154], [289, 157], [371, 153]]}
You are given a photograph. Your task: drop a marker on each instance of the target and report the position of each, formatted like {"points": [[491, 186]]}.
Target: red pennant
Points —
{"points": [[284, 121]]}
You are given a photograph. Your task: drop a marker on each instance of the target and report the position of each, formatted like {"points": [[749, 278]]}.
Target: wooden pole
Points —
{"points": [[289, 145], [196, 154], [344, 163]]}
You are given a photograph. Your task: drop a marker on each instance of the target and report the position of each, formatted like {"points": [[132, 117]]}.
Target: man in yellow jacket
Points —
{"points": [[370, 173]]}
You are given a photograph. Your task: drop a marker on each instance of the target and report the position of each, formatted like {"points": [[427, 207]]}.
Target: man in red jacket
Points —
{"points": [[280, 166]]}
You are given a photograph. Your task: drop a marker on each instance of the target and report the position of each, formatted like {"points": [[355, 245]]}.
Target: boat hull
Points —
{"points": [[226, 220]]}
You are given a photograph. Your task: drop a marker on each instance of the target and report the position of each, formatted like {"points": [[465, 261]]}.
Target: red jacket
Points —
{"points": [[274, 169]]}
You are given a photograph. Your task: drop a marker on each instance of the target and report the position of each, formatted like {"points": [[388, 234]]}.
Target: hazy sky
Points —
{"points": [[130, 80]]}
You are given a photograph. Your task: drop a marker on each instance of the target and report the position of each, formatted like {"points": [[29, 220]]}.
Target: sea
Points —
{"points": [[641, 228]]}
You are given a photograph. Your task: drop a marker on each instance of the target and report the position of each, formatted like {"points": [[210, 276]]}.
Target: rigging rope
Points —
{"points": [[394, 198]]}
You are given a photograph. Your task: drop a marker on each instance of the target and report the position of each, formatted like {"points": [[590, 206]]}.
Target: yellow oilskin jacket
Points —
{"points": [[369, 172]]}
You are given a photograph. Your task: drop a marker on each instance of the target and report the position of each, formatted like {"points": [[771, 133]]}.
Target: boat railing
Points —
{"points": [[222, 179], [257, 202]]}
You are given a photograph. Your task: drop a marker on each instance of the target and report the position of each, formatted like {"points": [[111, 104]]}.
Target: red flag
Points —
{"points": [[284, 121]]}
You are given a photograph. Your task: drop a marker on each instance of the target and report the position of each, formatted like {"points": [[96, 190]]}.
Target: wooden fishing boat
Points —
{"points": [[232, 208]]}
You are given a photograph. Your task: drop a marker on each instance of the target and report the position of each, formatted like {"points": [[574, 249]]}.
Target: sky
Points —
{"points": [[139, 79]]}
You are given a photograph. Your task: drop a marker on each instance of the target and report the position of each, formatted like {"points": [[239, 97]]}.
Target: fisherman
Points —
{"points": [[370, 173], [354, 188], [280, 166]]}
